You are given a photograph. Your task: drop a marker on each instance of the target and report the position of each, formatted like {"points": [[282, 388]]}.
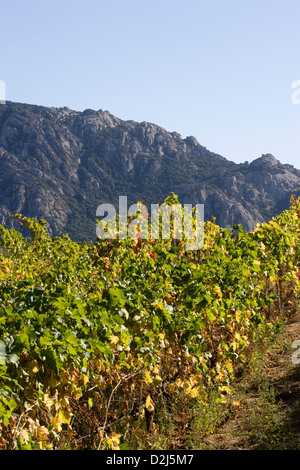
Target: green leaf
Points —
{"points": [[27, 335], [116, 297]]}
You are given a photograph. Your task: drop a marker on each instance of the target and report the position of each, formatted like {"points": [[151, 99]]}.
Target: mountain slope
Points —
{"points": [[59, 165]]}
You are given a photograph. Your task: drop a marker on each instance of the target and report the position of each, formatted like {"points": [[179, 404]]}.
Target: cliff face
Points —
{"points": [[59, 165]]}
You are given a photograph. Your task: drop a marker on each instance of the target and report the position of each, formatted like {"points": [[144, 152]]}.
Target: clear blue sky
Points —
{"points": [[220, 70]]}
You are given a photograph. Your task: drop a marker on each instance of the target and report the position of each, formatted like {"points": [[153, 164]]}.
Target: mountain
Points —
{"points": [[59, 165]]}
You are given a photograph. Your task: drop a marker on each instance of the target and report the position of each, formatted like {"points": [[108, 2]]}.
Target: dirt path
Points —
{"points": [[267, 415]]}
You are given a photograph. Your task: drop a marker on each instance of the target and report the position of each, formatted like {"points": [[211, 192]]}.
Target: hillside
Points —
{"points": [[59, 165]]}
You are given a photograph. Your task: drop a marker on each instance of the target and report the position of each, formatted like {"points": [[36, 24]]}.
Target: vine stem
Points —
{"points": [[109, 402], [21, 416]]}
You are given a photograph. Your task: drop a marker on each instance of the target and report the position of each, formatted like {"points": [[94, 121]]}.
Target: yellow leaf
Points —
{"points": [[148, 378], [225, 389], [62, 417], [219, 377], [58, 427], [99, 364], [237, 315], [77, 392], [158, 378], [194, 392], [178, 382], [218, 291], [149, 404], [186, 385], [48, 401], [172, 388], [40, 433], [236, 404], [193, 380], [115, 439], [229, 367], [155, 428], [85, 379], [114, 340]]}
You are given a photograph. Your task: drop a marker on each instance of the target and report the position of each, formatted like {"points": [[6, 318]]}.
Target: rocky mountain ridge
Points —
{"points": [[59, 165]]}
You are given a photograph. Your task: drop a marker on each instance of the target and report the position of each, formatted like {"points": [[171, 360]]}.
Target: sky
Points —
{"points": [[221, 71]]}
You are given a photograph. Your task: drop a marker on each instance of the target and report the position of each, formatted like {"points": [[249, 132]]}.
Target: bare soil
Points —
{"points": [[266, 415]]}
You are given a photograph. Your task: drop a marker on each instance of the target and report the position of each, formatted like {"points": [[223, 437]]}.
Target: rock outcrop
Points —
{"points": [[59, 165]]}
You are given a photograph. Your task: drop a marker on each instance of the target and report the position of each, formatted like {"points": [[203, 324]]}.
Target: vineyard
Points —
{"points": [[105, 341]]}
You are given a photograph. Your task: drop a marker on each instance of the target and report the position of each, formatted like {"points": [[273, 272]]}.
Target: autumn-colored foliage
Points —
{"points": [[96, 334]]}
